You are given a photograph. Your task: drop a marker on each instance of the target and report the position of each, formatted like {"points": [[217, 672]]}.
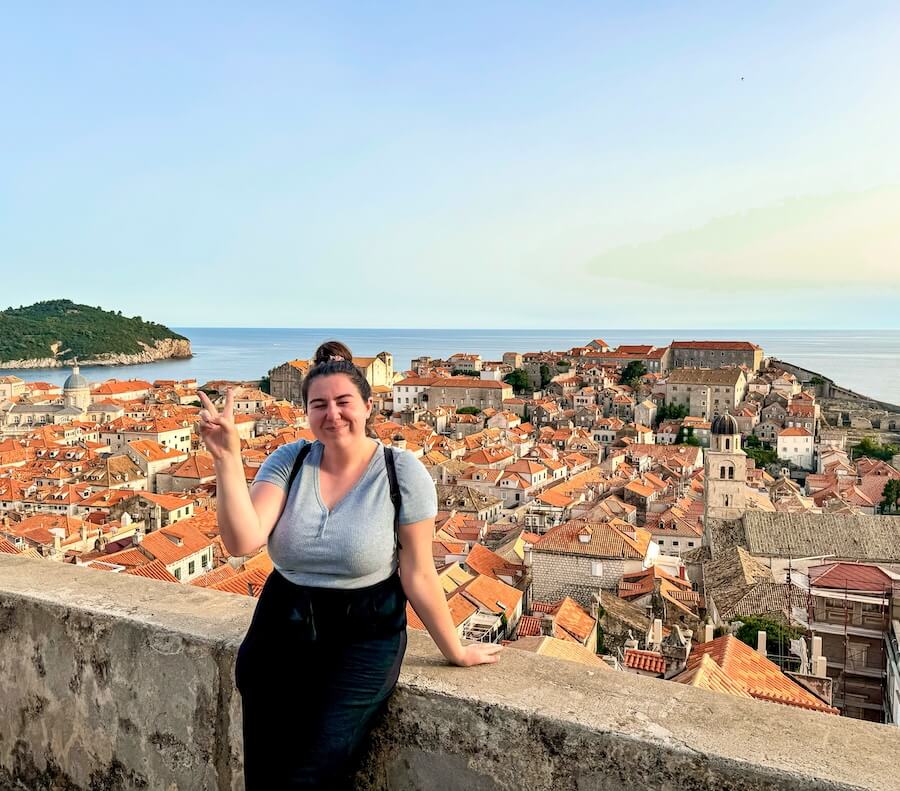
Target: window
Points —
{"points": [[204, 560], [690, 543], [191, 566], [178, 573], [596, 568], [731, 473], [674, 542]]}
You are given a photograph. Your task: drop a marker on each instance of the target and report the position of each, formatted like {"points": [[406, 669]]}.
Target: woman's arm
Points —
{"points": [[426, 595], [244, 519]]}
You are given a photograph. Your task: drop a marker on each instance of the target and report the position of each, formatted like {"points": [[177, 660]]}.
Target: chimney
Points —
{"points": [[708, 633], [656, 632], [682, 573], [631, 642], [547, 624], [761, 643], [816, 648], [820, 666]]}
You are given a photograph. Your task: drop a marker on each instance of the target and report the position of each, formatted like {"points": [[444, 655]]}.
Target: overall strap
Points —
{"points": [[395, 490], [392, 482], [298, 462]]}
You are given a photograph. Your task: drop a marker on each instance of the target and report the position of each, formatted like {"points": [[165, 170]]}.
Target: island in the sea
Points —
{"points": [[55, 333]]}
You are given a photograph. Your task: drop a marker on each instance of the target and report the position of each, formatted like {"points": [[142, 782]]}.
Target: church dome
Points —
{"points": [[725, 424], [76, 381]]}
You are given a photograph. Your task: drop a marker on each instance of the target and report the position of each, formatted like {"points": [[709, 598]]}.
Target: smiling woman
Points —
{"points": [[348, 524]]}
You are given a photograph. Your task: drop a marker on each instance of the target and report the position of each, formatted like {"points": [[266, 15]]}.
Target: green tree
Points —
{"points": [[778, 635], [671, 412], [890, 496], [468, 410], [545, 375], [265, 384], [870, 447], [632, 373], [518, 379]]}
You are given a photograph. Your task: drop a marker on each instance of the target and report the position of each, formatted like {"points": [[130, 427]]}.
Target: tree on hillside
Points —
{"points": [[870, 447]]}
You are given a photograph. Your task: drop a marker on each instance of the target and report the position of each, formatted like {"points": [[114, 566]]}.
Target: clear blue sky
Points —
{"points": [[480, 164]]}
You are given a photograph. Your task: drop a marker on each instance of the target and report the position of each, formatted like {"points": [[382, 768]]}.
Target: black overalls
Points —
{"points": [[316, 667]]}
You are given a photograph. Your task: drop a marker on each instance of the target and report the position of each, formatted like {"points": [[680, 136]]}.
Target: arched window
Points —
{"points": [[726, 498], [731, 473], [722, 471], [727, 444]]}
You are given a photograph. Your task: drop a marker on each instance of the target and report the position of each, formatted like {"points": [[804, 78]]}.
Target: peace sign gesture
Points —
{"points": [[217, 429]]}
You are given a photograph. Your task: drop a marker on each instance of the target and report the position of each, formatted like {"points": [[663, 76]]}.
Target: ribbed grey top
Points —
{"points": [[351, 546]]}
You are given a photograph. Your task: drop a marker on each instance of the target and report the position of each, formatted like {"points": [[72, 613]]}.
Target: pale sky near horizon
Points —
{"points": [[474, 165]]}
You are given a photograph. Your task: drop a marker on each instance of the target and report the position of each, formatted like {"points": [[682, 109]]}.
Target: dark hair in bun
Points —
{"points": [[333, 357]]}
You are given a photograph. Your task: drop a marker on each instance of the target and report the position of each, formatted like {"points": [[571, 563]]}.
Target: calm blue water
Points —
{"points": [[867, 361]]}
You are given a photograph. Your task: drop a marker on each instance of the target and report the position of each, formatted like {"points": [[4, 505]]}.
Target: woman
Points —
{"points": [[324, 649]]}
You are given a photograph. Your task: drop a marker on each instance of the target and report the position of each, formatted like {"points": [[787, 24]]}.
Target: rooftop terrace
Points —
{"points": [[109, 681]]}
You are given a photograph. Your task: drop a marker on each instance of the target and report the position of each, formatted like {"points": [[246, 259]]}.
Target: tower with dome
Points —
{"points": [[76, 390], [725, 471]]}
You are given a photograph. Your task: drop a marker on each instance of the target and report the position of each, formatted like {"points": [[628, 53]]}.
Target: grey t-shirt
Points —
{"points": [[351, 546]]}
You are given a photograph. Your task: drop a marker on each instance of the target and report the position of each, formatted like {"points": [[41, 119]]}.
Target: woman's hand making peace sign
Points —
{"points": [[217, 429]]}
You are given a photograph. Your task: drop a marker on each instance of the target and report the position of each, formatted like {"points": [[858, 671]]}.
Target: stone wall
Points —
{"points": [[110, 681], [555, 576]]}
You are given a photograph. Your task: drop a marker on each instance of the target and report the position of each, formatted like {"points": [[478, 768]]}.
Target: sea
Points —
{"points": [[866, 361]]}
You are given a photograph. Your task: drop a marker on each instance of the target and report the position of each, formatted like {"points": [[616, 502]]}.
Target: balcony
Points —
{"points": [[118, 682]]}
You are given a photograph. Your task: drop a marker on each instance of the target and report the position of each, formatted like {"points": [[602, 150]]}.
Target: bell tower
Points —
{"points": [[725, 472]]}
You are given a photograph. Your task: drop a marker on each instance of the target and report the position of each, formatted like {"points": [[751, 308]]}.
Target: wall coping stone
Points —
{"points": [[527, 722]]}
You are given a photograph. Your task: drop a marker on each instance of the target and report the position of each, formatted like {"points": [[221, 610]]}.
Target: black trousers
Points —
{"points": [[314, 671]]}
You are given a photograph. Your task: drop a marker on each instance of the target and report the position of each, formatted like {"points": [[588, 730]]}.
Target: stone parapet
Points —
{"points": [[116, 682]]}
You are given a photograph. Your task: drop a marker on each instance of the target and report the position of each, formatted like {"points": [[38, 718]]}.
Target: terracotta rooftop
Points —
{"points": [[756, 675]]}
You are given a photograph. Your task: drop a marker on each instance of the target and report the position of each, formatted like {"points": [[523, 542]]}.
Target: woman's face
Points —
{"points": [[336, 411]]}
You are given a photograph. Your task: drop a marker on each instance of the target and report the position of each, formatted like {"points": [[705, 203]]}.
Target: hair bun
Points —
{"points": [[330, 351]]}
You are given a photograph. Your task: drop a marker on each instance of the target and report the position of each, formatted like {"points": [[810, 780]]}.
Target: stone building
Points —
{"points": [[706, 392], [715, 354], [578, 559], [286, 379], [24, 416]]}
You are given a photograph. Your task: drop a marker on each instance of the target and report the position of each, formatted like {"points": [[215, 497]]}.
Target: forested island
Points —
{"points": [[54, 333]]}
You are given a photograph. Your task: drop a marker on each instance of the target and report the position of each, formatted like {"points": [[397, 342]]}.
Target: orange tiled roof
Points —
{"points": [[484, 561], [155, 570], [492, 595], [243, 583], [174, 542], [569, 616], [650, 661], [759, 677], [603, 541]]}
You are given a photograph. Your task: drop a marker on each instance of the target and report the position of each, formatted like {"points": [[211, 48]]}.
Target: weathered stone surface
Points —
{"points": [[135, 689]]}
